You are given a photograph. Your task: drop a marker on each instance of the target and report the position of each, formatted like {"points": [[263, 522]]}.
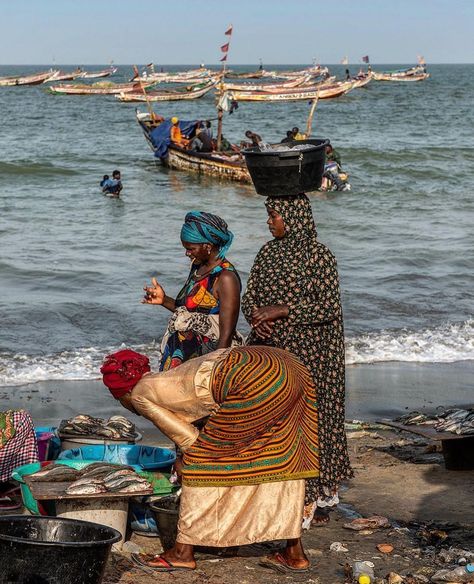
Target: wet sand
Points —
{"points": [[373, 391]]}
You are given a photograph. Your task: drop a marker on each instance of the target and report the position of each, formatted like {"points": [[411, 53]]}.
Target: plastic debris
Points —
{"points": [[337, 546], [385, 548], [373, 522]]}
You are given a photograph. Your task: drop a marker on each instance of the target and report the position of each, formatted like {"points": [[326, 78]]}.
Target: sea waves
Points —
{"points": [[445, 344]]}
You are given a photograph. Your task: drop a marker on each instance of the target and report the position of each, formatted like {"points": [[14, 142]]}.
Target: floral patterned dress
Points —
{"points": [[196, 296], [300, 272]]}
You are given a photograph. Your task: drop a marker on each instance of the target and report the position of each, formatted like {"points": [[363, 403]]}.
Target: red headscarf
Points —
{"points": [[123, 370]]}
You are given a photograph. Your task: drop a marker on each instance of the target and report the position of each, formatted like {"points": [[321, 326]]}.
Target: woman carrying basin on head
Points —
{"points": [[206, 309], [292, 302]]}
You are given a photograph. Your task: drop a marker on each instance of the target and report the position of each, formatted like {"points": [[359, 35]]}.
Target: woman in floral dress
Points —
{"points": [[292, 302]]}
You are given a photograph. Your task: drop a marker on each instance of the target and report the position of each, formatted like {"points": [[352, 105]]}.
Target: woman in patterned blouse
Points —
{"points": [[292, 302]]}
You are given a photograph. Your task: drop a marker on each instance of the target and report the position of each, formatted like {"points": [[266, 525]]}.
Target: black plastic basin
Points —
{"points": [[287, 172], [53, 550]]}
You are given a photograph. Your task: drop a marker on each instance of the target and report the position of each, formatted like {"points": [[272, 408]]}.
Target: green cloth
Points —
{"points": [[160, 482]]}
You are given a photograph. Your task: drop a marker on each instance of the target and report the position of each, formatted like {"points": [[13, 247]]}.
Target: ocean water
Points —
{"points": [[73, 262]]}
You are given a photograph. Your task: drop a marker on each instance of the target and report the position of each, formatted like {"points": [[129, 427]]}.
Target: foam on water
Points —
{"points": [[446, 344]]}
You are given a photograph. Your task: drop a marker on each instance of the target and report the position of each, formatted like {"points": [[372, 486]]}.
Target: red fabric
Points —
{"points": [[123, 370]]}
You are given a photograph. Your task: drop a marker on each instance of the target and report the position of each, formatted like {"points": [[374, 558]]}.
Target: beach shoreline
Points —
{"points": [[374, 391]]}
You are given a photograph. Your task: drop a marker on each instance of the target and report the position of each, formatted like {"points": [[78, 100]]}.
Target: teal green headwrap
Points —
{"points": [[201, 227]]}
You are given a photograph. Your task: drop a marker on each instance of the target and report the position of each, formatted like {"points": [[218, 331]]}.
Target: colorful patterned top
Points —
{"points": [[197, 295]]}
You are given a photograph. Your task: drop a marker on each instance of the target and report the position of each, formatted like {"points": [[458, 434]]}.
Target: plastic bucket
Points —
{"points": [[53, 550], [166, 512], [43, 440], [287, 172]]}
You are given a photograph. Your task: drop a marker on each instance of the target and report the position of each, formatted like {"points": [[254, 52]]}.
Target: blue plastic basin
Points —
{"points": [[139, 457]]}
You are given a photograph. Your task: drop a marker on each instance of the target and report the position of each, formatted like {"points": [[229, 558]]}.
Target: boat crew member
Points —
{"points": [[297, 135], [254, 138], [288, 137], [333, 155], [176, 135]]}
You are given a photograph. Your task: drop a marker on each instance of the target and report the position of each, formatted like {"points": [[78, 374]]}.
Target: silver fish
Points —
{"points": [[85, 489], [57, 473]]}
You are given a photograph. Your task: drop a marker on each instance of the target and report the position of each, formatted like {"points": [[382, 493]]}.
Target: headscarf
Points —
{"points": [[201, 227], [123, 370], [284, 269]]}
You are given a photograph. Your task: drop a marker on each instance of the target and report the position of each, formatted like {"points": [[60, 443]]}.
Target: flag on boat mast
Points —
{"points": [[365, 59], [345, 60], [225, 47]]}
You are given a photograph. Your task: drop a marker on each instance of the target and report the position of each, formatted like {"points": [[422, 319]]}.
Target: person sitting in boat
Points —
{"points": [[202, 142], [254, 138], [225, 146], [348, 75], [297, 135], [288, 137], [112, 186], [176, 135], [17, 447]]}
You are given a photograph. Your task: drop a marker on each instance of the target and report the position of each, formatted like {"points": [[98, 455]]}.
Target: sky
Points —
{"points": [[84, 32]]}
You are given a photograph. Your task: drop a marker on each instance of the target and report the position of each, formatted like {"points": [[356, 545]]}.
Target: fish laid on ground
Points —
{"points": [[135, 487], [56, 473]]}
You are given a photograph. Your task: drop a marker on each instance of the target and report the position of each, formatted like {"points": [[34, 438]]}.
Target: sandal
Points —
{"points": [[143, 560], [280, 564]]}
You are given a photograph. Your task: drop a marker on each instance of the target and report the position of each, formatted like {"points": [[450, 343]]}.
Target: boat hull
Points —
{"points": [[209, 165]]}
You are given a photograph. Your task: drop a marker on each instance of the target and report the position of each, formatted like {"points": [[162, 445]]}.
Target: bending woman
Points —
{"points": [[206, 310], [292, 302], [242, 474]]}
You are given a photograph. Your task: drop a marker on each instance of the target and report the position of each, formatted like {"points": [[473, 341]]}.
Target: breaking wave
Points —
{"points": [[444, 344]]}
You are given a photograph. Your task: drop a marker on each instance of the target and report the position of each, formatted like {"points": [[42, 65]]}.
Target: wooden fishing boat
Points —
{"points": [[98, 74], [362, 80], [34, 79], [230, 166], [266, 86], [62, 76], [194, 92], [107, 88], [416, 73], [191, 76], [314, 71], [409, 77], [229, 74], [297, 94]]}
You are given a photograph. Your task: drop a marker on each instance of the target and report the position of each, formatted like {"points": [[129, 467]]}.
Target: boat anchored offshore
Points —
{"points": [[228, 165]]}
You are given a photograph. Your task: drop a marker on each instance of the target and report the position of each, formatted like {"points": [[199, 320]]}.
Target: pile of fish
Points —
{"points": [[115, 428], [98, 477], [454, 420]]}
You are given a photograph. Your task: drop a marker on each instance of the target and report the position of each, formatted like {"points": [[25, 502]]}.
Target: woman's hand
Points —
{"points": [[264, 330], [266, 314], [154, 294]]}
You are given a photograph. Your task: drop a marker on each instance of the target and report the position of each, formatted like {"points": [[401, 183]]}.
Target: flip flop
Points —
{"points": [[166, 566], [278, 563]]}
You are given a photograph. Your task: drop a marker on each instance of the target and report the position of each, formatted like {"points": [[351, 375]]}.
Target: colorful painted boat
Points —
{"points": [[98, 74], [34, 79], [298, 94], [229, 166], [416, 73], [194, 92], [107, 88], [62, 76], [266, 86]]}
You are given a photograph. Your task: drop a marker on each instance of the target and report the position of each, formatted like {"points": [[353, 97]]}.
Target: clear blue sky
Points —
{"points": [[82, 32]]}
